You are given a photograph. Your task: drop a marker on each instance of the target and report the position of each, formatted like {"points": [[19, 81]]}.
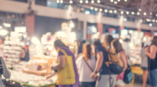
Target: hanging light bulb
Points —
{"points": [[118, 0], [81, 1], [106, 10], [61, 1], [115, 2], [153, 20], [98, 1], [91, 8], [156, 21], [111, 0], [70, 1], [96, 9], [125, 0], [86, 1], [111, 11], [139, 9], [92, 1], [115, 11], [138, 13], [133, 13], [100, 9], [144, 13], [57, 1], [122, 12], [127, 12]]}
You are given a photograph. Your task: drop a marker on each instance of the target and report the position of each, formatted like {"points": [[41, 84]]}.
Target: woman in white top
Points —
{"points": [[3, 69], [86, 65]]}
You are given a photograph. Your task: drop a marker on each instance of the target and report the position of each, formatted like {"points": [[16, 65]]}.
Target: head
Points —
{"points": [[116, 46], [107, 40], [142, 45], [87, 51], [126, 40], [58, 43], [83, 42], [154, 41]]}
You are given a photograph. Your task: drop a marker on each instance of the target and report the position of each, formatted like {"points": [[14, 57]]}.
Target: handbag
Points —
{"points": [[66, 76], [128, 75], [89, 66]]}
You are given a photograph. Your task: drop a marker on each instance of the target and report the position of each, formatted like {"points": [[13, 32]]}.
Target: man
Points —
{"points": [[106, 78]]}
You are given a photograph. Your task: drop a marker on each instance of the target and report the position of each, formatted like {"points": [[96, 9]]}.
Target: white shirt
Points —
{"points": [[126, 48], [83, 70]]}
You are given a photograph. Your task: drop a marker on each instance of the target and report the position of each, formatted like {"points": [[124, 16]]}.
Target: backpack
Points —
{"points": [[115, 64], [128, 75]]}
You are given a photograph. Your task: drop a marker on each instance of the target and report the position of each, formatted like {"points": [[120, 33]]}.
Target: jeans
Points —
{"points": [[153, 78], [87, 84]]}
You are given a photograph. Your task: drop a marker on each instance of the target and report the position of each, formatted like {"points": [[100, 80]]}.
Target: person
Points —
{"points": [[62, 66], [85, 65], [3, 68], [152, 54], [126, 47], [117, 48], [81, 46], [144, 65], [105, 77]]}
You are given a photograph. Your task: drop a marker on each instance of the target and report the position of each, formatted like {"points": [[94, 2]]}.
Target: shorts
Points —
{"points": [[106, 81], [120, 82], [144, 68], [153, 77]]}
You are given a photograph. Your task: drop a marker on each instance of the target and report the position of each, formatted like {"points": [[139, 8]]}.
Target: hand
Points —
{"points": [[48, 77], [93, 75]]}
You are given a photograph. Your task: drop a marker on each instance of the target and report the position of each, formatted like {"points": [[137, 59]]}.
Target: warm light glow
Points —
{"points": [[138, 13], [71, 24], [57, 1], [71, 2], [61, 1], [0, 27], [87, 12], [96, 9], [21, 29], [111, 0], [87, 1], [35, 40], [127, 12], [92, 1], [139, 9], [120, 40], [115, 2], [100, 9], [91, 8], [125, 19], [144, 13], [130, 31], [150, 24], [132, 13], [125, 0], [131, 45], [110, 11], [106, 10], [144, 39], [3, 32], [118, 0], [6, 24], [156, 14], [115, 11], [98, 1], [153, 20], [81, 1], [122, 12]]}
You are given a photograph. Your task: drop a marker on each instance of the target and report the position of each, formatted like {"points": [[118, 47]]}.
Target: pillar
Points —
{"points": [[100, 29], [30, 24], [85, 30]]}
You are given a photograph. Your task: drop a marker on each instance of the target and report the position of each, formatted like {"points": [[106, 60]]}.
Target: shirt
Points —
{"points": [[104, 69], [83, 69], [126, 48], [144, 57]]}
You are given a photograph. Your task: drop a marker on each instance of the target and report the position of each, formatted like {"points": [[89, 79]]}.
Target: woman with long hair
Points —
{"points": [[66, 67], [85, 65], [152, 54], [117, 47]]}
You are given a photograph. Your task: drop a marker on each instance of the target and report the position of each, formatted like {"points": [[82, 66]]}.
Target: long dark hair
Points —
{"points": [[87, 51], [59, 43], [117, 45], [154, 41], [108, 39]]}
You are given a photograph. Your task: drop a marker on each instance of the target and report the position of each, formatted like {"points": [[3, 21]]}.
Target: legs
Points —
{"points": [[120, 83], [103, 81], [145, 77]]}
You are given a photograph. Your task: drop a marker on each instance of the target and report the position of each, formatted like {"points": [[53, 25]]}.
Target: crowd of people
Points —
{"points": [[93, 66]]}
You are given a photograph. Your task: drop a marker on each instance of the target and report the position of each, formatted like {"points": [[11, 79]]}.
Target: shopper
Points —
{"points": [[126, 46], [81, 46], [66, 68], [144, 65], [117, 48], [3, 68], [86, 65], [105, 77], [151, 53]]}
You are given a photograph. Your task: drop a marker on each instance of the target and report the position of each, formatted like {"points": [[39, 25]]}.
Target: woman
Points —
{"points": [[86, 65], [117, 47], [144, 65], [66, 68], [151, 53], [3, 68]]}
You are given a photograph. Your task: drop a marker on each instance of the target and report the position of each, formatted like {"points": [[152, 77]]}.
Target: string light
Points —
{"points": [[111, 11], [100, 9], [133, 13], [57, 1], [61, 1], [111, 0], [106, 10], [115, 11], [139, 9], [86, 1], [122, 12], [153, 20], [144, 13], [115, 2], [156, 21], [127, 12], [125, 0], [92, 1], [138, 13], [98, 1], [96, 9], [156, 15], [70, 2], [118, 0], [81, 1], [91, 8]]}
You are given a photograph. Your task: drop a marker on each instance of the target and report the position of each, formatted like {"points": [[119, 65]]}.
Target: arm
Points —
{"points": [[51, 75], [99, 61], [6, 72], [123, 58], [61, 64], [152, 52]]}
